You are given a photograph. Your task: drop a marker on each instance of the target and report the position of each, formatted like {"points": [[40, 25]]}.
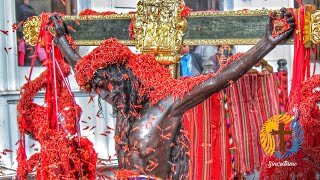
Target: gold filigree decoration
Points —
{"points": [[173, 69], [230, 13], [159, 29], [315, 27], [193, 14], [309, 10], [100, 17], [31, 29], [98, 42], [228, 41]]}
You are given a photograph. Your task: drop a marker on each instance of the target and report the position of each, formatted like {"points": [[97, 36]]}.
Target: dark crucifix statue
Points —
{"points": [[139, 149]]}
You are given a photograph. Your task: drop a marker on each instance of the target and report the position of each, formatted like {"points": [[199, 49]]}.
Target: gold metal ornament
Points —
{"points": [[230, 13], [309, 10], [31, 29], [315, 27], [159, 28]]}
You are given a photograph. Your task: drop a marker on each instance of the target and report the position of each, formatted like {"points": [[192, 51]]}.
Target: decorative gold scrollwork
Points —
{"points": [[309, 10], [230, 13], [315, 27], [31, 29], [98, 42], [98, 17], [159, 29]]}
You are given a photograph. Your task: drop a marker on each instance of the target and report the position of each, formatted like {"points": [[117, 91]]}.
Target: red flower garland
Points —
{"points": [[109, 52], [310, 118], [90, 12], [71, 41], [126, 174], [54, 124], [144, 67], [185, 11]]}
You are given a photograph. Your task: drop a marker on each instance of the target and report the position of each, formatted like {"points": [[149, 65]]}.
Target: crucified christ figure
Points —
{"points": [[153, 151]]}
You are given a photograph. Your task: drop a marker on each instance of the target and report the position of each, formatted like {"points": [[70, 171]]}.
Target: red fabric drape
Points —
{"points": [[302, 55], [238, 112], [203, 123], [252, 100]]}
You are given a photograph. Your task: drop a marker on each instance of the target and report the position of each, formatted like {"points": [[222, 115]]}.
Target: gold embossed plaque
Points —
{"points": [[159, 28]]}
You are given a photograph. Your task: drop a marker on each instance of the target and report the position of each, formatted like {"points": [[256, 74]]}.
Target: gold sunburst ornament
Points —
{"points": [[31, 29]]}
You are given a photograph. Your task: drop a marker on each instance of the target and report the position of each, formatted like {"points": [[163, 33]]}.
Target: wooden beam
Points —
{"points": [[208, 28]]}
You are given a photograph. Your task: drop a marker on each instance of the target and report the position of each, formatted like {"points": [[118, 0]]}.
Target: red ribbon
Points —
{"points": [[41, 121], [302, 55]]}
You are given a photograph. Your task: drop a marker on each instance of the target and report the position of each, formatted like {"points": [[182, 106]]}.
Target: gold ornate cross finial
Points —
{"points": [[159, 29]]}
